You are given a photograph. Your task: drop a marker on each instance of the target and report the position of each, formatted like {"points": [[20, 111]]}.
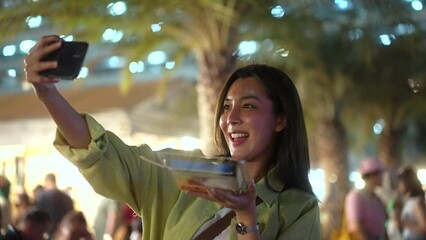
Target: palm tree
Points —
{"points": [[392, 94], [209, 30], [329, 58]]}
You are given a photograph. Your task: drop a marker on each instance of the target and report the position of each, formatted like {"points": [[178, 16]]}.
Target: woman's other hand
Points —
{"points": [[239, 202]]}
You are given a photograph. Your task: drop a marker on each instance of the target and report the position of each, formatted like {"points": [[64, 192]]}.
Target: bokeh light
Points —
{"points": [[26, 45], [117, 8], [278, 11], [34, 22], [9, 50]]}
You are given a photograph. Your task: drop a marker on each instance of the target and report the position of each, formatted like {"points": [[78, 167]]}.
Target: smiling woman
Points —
{"points": [[259, 119]]}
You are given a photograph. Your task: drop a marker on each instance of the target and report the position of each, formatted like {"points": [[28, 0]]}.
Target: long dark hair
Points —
{"points": [[408, 177], [291, 148]]}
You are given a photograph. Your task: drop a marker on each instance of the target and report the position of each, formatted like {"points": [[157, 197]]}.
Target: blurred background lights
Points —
{"points": [[11, 73], [421, 175], [268, 45], [68, 38], [117, 8], [379, 126], [84, 72], [157, 57], [9, 50], [26, 45], [416, 86], [355, 34], [112, 35], [357, 180], [26, 86], [170, 65], [189, 143], [282, 52], [343, 4], [115, 62], [11, 151], [136, 67], [417, 5], [404, 29], [316, 178], [34, 22], [247, 47], [386, 39], [278, 12], [156, 27]]}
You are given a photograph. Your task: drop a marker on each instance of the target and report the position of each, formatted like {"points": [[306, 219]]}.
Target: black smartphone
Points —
{"points": [[70, 57]]}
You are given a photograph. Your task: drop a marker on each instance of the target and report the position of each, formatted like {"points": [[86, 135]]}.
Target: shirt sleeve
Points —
{"points": [[115, 169]]}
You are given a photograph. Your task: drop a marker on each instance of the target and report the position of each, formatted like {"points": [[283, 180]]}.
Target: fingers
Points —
{"points": [[235, 201], [45, 41], [33, 63], [200, 194]]}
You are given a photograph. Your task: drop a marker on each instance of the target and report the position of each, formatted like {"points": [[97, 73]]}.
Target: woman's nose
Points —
{"points": [[234, 116]]}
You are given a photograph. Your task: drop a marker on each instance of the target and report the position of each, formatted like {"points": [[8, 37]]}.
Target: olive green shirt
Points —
{"points": [[115, 170]]}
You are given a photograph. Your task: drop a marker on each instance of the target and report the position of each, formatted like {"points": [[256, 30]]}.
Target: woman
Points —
{"points": [[259, 119], [413, 215]]}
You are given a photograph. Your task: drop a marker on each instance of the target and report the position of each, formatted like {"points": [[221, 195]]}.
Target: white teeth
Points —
{"points": [[239, 135]]}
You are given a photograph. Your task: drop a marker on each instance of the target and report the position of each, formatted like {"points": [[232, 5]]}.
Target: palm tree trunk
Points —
{"points": [[389, 152], [214, 70], [389, 149], [332, 153]]}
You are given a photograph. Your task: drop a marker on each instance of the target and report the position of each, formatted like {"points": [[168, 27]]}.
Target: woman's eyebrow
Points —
{"points": [[243, 98]]}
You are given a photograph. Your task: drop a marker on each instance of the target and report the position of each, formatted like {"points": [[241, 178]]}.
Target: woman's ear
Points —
{"points": [[281, 123]]}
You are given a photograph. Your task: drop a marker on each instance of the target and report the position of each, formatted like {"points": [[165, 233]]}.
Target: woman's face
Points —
{"points": [[248, 122], [401, 187]]}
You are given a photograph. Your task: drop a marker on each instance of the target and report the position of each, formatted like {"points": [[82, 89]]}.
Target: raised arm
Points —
{"points": [[71, 124]]}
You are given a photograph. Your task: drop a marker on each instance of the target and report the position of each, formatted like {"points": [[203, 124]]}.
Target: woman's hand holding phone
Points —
{"points": [[34, 63]]}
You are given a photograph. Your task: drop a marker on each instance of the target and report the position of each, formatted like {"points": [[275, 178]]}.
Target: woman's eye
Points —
{"points": [[247, 105], [226, 107]]}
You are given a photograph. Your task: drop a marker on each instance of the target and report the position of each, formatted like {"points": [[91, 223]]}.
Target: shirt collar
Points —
{"points": [[265, 193]]}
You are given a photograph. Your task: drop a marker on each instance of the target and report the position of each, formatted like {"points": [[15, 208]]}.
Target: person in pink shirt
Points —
{"points": [[365, 212]]}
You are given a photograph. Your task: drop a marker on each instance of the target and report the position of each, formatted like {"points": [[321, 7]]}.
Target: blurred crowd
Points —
{"points": [[50, 213], [376, 212], [370, 214]]}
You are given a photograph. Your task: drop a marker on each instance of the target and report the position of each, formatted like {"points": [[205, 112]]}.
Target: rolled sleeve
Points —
{"points": [[83, 157]]}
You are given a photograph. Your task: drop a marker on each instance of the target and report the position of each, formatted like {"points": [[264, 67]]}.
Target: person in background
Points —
{"points": [[365, 212], [259, 118], [73, 227], [54, 201], [22, 203], [108, 218], [137, 230], [412, 219], [5, 206], [37, 191], [125, 229], [34, 225]]}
